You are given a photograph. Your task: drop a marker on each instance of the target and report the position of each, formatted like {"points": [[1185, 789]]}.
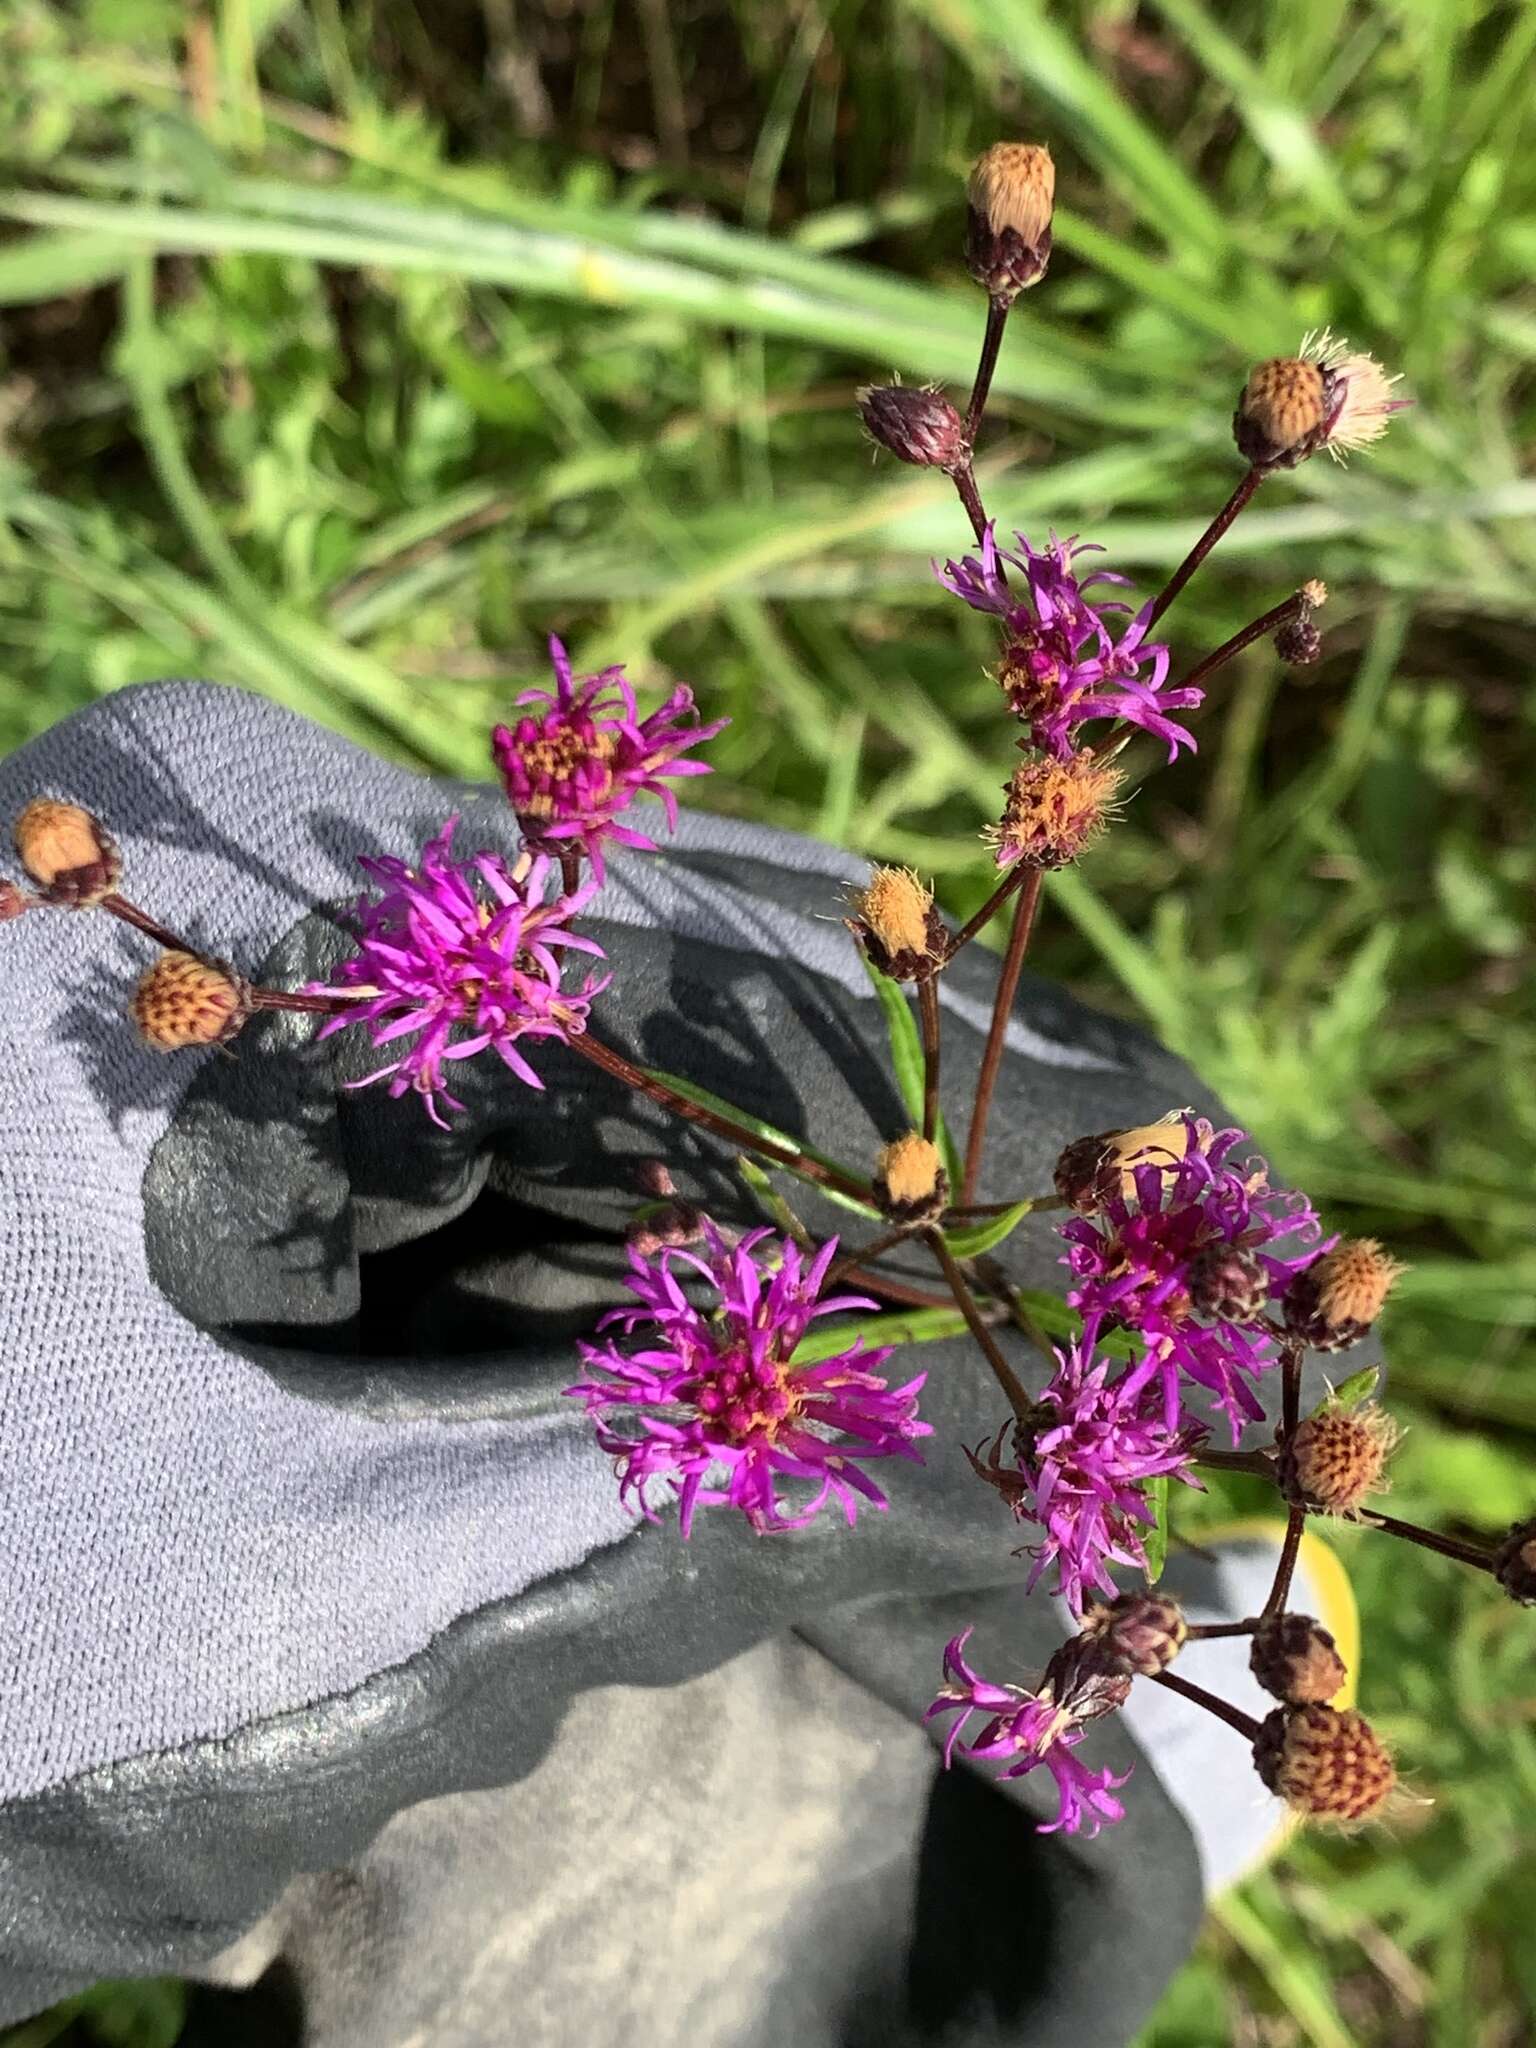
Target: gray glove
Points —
{"points": [[300, 1533]]}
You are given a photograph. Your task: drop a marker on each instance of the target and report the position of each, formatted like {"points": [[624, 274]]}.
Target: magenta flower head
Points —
{"points": [[714, 1402], [1030, 1728], [1080, 1469], [572, 766], [457, 956], [1062, 665], [1189, 1249]]}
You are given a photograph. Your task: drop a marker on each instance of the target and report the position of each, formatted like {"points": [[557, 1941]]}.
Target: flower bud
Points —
{"points": [[1336, 1300], [1514, 1563], [1338, 1457], [1140, 1633], [1282, 415], [69, 854], [183, 1001], [910, 1184], [1326, 1762], [1082, 1676], [1229, 1282], [919, 426], [14, 901], [1296, 1660], [1054, 810], [1096, 1170], [895, 923], [653, 1177], [1012, 193], [1298, 642], [672, 1225]]}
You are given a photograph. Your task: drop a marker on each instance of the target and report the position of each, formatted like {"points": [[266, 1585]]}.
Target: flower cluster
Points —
{"points": [[455, 957], [714, 1401], [1080, 1468], [1188, 1249], [1032, 1728], [574, 765]]}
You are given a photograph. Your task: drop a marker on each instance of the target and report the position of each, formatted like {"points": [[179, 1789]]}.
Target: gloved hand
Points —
{"points": [[299, 1532]]}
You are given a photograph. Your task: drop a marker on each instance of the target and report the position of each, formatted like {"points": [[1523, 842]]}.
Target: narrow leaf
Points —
{"points": [[1357, 1388], [1154, 1540], [904, 1326], [907, 1064], [990, 1232]]}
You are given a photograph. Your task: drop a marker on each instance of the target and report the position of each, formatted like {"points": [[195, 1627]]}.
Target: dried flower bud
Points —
{"points": [[1140, 1633], [1514, 1563], [1326, 1762], [1296, 1660], [183, 1001], [1229, 1282], [653, 1177], [1298, 642], [896, 924], [1337, 1458], [1012, 193], [910, 1184], [1081, 1675], [14, 901], [1054, 810], [1336, 1300], [919, 426], [1328, 396], [69, 854], [675, 1224], [1093, 1171]]}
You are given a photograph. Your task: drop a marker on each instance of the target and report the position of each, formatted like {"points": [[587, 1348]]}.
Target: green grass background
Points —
{"points": [[345, 355]]}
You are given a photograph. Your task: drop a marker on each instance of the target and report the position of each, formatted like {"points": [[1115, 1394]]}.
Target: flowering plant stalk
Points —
{"points": [[729, 1383]]}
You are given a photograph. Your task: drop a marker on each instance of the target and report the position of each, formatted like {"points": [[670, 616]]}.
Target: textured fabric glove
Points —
{"points": [[299, 1533]]}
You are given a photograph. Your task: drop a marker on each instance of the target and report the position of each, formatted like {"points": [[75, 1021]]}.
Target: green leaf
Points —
{"points": [[990, 1232], [1155, 1539], [907, 1065], [1357, 1388], [759, 1128], [901, 1326], [773, 1205]]}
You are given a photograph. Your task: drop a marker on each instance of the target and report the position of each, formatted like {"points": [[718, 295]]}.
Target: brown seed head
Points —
{"points": [[674, 1224], [183, 1001], [1054, 810], [1229, 1282], [1296, 1660], [1336, 1300], [1140, 1633], [1298, 642], [918, 426], [895, 922], [69, 854], [1514, 1563], [1325, 1762], [1012, 193], [1282, 415], [910, 1184], [1337, 1458]]}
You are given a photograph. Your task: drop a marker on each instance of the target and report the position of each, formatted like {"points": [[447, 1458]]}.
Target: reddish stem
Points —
{"points": [[130, 913], [1270, 622], [988, 910], [1234, 1717], [1002, 1010], [991, 342], [1202, 547], [964, 481], [928, 1010], [1430, 1539], [1007, 1378], [1214, 1631], [1280, 1591]]}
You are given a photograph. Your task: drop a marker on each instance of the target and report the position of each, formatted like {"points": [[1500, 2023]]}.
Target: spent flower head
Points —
{"points": [[455, 957], [1328, 395], [1025, 1729], [1062, 663], [581, 753], [1144, 1261], [713, 1401]]}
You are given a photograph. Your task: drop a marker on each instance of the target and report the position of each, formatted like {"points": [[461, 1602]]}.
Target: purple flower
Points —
{"points": [[716, 1393], [1033, 1728], [1081, 1468], [1061, 664], [457, 956], [571, 767], [1149, 1260]]}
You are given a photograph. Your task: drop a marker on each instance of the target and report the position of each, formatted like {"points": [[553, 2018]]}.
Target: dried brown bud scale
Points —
{"points": [[1298, 642], [1325, 1762], [68, 854], [672, 1225], [183, 1001], [1334, 1303], [1140, 1633], [1514, 1563], [1337, 1458], [1012, 195], [910, 1184], [895, 922], [1092, 1171], [916, 425], [1297, 1660]]}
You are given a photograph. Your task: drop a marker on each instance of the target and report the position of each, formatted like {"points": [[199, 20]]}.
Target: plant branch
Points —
{"points": [[1202, 547], [1280, 1591], [1233, 1716], [988, 910], [141, 921], [1002, 1010], [991, 342], [1214, 1631], [928, 1010], [1018, 1399], [964, 481], [1430, 1539], [1268, 622]]}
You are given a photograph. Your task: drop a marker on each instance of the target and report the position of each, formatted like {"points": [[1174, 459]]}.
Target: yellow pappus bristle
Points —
{"points": [[895, 906], [909, 1169], [1354, 1280]]}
